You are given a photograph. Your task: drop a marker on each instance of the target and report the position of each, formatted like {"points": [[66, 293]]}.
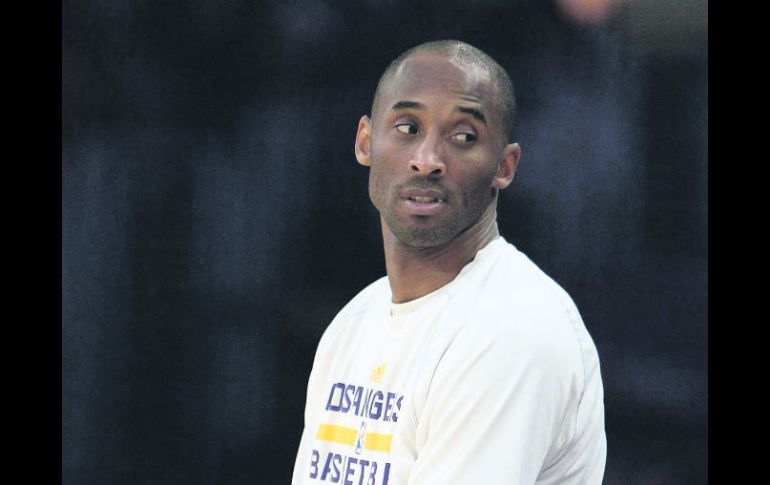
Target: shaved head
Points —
{"points": [[472, 59]]}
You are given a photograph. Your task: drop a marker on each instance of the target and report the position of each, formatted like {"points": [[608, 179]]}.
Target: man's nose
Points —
{"points": [[427, 159]]}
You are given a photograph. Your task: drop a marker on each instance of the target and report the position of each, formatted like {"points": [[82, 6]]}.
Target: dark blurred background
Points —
{"points": [[214, 219]]}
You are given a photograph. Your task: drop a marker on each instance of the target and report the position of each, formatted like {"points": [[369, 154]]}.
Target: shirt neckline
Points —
{"points": [[403, 309]]}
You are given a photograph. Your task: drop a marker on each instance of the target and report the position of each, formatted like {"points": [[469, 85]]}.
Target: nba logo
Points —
{"points": [[360, 439]]}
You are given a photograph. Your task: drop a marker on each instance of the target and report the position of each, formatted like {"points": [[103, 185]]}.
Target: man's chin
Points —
{"points": [[423, 238]]}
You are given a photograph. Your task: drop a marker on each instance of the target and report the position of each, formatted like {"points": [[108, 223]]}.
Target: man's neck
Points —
{"points": [[415, 272]]}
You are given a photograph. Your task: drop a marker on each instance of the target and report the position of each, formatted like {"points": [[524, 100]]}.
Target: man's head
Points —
{"points": [[504, 94], [437, 142]]}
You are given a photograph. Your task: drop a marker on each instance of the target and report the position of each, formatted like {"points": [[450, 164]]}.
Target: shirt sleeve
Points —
{"points": [[500, 408]]}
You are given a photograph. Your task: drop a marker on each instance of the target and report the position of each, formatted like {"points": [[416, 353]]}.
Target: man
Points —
{"points": [[466, 364]]}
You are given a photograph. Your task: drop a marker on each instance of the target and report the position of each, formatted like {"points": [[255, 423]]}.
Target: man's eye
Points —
{"points": [[407, 129], [464, 137]]}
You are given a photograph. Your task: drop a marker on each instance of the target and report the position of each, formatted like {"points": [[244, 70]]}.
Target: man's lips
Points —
{"points": [[423, 202], [422, 196]]}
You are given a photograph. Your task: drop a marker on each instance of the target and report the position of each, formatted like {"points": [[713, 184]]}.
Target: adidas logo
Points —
{"points": [[377, 373]]}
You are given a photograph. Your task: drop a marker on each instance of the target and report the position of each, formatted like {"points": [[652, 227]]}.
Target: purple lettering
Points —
{"points": [[394, 416], [372, 474], [349, 470], [388, 406], [327, 466], [329, 405], [367, 400], [376, 409], [345, 407], [363, 464], [357, 400], [335, 478], [314, 456]]}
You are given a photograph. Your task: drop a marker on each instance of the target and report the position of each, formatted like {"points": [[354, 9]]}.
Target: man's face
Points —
{"points": [[436, 141]]}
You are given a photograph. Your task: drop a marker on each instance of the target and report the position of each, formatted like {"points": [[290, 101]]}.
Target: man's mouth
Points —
{"points": [[424, 200], [423, 195]]}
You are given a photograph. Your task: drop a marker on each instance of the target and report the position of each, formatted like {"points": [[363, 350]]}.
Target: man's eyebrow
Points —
{"points": [[473, 112], [407, 105], [463, 109]]}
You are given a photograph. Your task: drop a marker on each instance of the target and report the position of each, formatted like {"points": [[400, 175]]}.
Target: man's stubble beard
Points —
{"points": [[466, 214]]}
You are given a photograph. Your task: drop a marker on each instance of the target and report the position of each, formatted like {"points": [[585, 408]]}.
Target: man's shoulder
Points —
{"points": [[378, 291], [515, 303], [516, 284], [373, 297]]}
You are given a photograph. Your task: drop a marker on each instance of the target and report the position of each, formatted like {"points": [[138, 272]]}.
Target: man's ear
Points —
{"points": [[507, 167], [364, 141]]}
